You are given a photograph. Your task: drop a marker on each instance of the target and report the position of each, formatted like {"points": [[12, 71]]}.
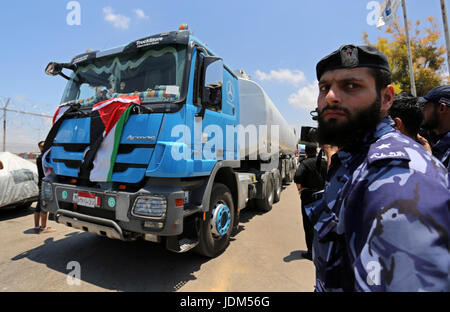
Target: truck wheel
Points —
{"points": [[291, 176], [277, 187], [291, 172], [265, 204], [216, 229], [285, 180]]}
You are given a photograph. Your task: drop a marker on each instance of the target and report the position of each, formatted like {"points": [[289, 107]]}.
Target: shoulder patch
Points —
{"points": [[390, 147]]}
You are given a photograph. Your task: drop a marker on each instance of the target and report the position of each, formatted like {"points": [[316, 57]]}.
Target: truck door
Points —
{"points": [[212, 141]]}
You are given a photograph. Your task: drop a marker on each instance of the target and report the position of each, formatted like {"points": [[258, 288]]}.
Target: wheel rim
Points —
{"points": [[220, 220]]}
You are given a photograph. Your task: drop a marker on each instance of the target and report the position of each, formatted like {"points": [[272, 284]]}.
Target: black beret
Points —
{"points": [[437, 95], [351, 56]]}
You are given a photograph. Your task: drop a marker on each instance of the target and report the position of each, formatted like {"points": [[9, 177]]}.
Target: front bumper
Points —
{"points": [[113, 217]]}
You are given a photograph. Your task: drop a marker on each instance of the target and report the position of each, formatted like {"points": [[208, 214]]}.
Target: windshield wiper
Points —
{"points": [[138, 108], [77, 108]]}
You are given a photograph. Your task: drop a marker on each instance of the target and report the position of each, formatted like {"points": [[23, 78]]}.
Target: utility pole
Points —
{"points": [[4, 124], [5, 109], [447, 39], [408, 43]]}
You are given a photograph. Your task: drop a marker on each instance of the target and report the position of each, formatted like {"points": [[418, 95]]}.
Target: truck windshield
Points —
{"points": [[155, 75]]}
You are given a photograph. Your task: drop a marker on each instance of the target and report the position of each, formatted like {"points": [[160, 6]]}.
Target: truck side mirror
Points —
{"points": [[53, 69], [212, 82]]}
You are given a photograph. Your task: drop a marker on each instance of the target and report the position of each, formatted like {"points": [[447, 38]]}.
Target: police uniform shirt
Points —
{"points": [[383, 222], [441, 150]]}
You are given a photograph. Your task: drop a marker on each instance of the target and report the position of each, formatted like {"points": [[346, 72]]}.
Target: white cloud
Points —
{"points": [[140, 14], [119, 21], [282, 75], [305, 97]]}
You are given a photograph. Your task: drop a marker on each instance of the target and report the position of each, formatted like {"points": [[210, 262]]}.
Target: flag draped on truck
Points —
{"points": [[107, 121], [109, 116]]}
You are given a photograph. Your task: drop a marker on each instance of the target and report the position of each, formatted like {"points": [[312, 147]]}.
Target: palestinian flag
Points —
{"points": [[59, 112], [112, 117]]}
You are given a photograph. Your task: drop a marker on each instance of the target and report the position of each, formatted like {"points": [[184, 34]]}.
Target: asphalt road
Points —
{"points": [[263, 256]]}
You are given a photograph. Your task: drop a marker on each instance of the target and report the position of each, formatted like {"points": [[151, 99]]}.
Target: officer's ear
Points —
{"points": [[387, 98], [388, 95], [399, 124], [443, 107]]}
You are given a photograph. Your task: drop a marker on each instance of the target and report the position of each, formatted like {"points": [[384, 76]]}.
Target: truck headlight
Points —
{"points": [[150, 206], [47, 193]]}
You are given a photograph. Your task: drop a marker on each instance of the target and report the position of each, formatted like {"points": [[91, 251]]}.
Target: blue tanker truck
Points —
{"points": [[199, 143]]}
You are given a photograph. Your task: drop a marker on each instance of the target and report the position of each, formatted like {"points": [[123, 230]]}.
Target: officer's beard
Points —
{"points": [[432, 122], [348, 135]]}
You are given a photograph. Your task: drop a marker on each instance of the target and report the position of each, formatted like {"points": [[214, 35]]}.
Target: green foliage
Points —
{"points": [[428, 58]]}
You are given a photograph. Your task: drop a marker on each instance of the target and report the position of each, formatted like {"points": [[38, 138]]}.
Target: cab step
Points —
{"points": [[180, 245]]}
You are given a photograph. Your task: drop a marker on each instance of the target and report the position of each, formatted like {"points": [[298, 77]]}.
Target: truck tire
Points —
{"points": [[284, 170], [215, 230], [277, 187], [266, 203], [291, 175], [291, 172]]}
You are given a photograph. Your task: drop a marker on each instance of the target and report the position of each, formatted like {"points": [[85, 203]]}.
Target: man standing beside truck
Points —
{"points": [[310, 179], [383, 222], [39, 215]]}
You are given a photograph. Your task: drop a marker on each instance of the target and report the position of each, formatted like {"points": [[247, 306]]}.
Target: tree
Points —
{"points": [[428, 58]]}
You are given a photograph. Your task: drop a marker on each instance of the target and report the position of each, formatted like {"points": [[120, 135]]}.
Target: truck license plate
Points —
{"points": [[86, 199]]}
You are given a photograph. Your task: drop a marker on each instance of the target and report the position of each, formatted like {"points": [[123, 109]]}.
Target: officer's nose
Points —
{"points": [[333, 96]]}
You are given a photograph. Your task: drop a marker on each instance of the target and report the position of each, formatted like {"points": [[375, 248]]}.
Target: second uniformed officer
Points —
{"points": [[383, 222], [437, 118]]}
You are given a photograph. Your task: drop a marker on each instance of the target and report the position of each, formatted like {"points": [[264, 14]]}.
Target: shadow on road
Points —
{"points": [[295, 255], [16, 212], [123, 266], [116, 265]]}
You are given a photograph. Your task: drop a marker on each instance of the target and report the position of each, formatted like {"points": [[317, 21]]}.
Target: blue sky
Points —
{"points": [[278, 43]]}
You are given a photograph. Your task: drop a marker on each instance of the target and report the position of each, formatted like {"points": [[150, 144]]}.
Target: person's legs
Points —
{"points": [[36, 219], [308, 228], [43, 220], [44, 227], [37, 214]]}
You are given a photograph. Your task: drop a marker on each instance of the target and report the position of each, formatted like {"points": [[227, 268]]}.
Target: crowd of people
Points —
{"points": [[379, 218]]}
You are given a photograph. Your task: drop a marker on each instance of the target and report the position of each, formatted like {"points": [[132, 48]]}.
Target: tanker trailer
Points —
{"points": [[256, 108]]}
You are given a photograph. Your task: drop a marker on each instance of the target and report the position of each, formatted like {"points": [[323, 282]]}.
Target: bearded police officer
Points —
{"points": [[383, 222], [437, 118]]}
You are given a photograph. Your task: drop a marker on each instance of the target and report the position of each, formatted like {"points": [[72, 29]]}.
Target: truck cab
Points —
{"points": [[167, 183]]}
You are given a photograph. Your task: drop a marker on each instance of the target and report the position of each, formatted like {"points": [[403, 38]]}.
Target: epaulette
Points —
{"points": [[389, 147]]}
